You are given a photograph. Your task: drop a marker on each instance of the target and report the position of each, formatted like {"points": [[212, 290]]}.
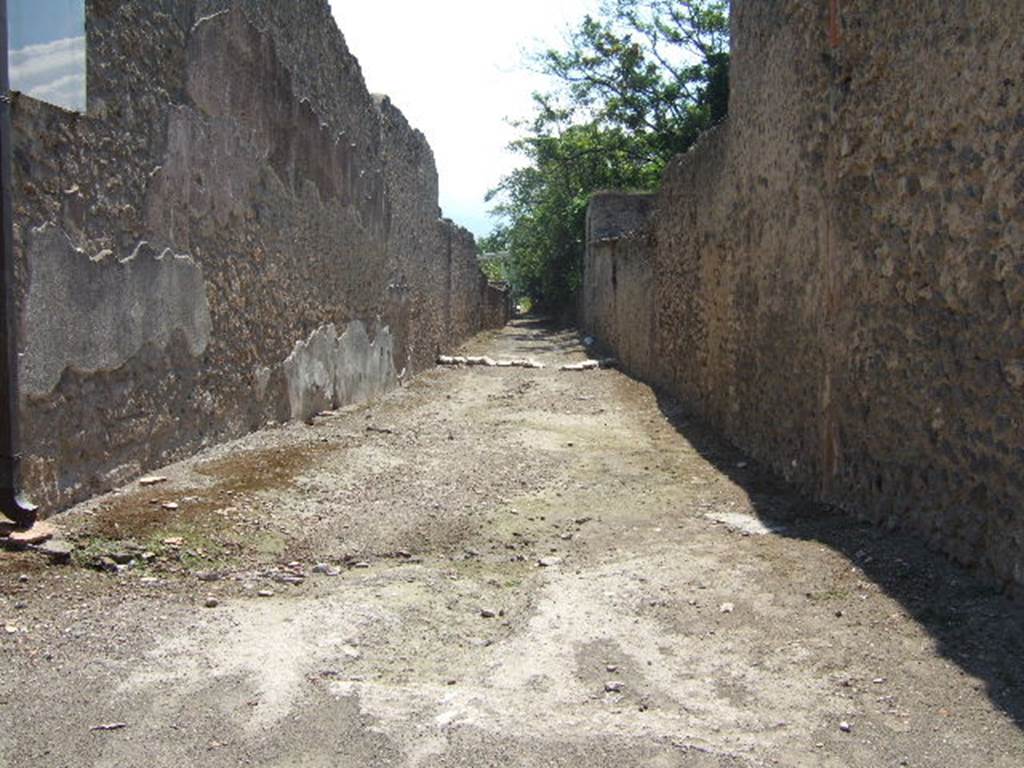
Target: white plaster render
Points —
{"points": [[96, 314], [328, 370]]}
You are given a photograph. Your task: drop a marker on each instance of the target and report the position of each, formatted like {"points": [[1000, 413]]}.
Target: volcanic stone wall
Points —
{"points": [[496, 305], [236, 232], [835, 276], [618, 286]]}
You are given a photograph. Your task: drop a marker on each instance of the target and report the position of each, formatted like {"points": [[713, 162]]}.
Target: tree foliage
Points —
{"points": [[636, 85]]}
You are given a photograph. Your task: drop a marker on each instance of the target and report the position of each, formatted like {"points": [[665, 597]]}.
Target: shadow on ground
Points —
{"points": [[972, 625], [555, 337]]}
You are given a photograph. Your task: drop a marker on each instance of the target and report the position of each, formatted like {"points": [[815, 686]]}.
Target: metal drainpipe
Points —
{"points": [[12, 503]]}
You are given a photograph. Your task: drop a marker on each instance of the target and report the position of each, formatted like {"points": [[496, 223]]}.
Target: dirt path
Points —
{"points": [[517, 568]]}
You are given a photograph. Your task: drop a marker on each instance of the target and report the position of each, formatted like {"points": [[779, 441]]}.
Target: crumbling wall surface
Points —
{"points": [[838, 269], [236, 232]]}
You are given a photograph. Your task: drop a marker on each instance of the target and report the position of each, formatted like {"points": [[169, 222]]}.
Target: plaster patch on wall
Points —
{"points": [[95, 314], [328, 370]]}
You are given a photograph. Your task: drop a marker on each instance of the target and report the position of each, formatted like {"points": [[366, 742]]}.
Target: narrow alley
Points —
{"points": [[496, 567]]}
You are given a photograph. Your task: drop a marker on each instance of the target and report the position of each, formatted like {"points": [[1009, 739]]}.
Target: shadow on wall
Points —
{"points": [[971, 625]]}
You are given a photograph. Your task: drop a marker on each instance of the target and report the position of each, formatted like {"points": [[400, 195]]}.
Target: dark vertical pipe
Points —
{"points": [[12, 504]]}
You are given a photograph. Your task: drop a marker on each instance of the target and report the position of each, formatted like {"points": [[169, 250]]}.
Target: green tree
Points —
{"points": [[635, 86]]}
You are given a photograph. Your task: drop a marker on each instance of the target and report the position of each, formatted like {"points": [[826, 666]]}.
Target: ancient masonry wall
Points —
{"points": [[496, 305], [835, 277], [236, 232]]}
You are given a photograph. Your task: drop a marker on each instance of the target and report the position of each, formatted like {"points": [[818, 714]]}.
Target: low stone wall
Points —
{"points": [[835, 277], [236, 232]]}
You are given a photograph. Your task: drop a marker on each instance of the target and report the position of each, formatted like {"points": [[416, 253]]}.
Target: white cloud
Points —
{"points": [[52, 72]]}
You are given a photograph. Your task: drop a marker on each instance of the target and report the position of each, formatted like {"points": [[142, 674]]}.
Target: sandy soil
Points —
{"points": [[516, 568]]}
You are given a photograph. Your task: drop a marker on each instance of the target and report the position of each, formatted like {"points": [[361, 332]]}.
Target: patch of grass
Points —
{"points": [[93, 548], [265, 543], [205, 519], [263, 470]]}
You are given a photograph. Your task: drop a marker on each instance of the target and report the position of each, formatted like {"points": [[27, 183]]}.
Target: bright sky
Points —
{"points": [[455, 69], [47, 50]]}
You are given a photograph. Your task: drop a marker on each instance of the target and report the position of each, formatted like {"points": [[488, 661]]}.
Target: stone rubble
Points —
{"points": [[487, 362]]}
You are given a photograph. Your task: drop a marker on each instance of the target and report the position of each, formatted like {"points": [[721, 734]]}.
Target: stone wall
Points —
{"points": [[236, 232], [618, 283], [838, 270], [497, 305]]}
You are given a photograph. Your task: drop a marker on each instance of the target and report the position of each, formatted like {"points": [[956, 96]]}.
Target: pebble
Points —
{"points": [[152, 480], [586, 365], [37, 534], [613, 686], [109, 727], [23, 578], [361, 565], [170, 506], [845, 727], [727, 608], [265, 593], [488, 613], [57, 550], [549, 562], [325, 569], [212, 602], [350, 651]]}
